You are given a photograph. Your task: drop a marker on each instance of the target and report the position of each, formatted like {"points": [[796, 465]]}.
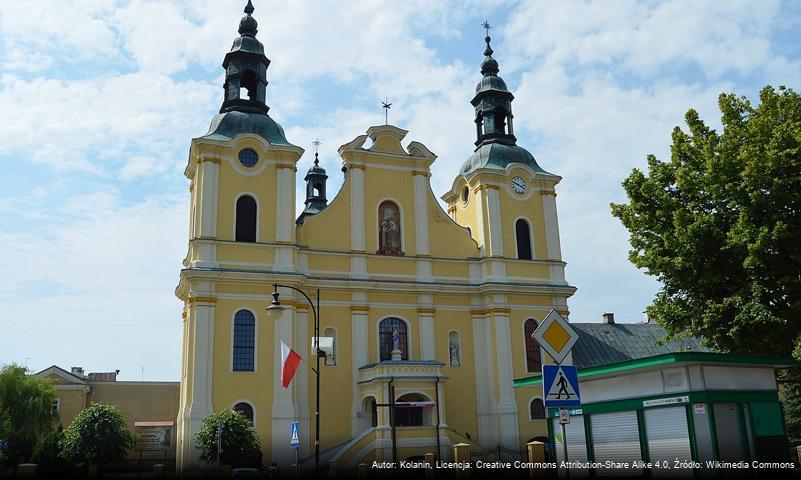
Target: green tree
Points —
{"points": [[719, 225], [240, 443], [47, 454], [98, 435], [5, 430], [26, 403]]}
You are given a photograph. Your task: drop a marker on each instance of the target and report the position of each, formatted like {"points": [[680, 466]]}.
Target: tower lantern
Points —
{"points": [[246, 70]]}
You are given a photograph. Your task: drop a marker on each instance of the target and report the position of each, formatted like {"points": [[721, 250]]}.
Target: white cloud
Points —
{"points": [[93, 123], [93, 284], [77, 27], [647, 39]]}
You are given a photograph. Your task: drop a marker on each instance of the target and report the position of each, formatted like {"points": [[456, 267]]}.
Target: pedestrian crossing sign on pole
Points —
{"points": [[294, 440], [560, 386]]}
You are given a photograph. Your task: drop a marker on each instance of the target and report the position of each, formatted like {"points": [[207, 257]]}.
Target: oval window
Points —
{"points": [[465, 194], [248, 157]]}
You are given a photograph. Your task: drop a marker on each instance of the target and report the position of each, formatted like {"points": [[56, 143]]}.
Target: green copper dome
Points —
{"points": [[225, 126], [491, 83], [498, 156]]}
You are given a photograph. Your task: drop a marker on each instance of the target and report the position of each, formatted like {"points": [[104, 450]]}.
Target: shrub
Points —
{"points": [[240, 444], [98, 435]]}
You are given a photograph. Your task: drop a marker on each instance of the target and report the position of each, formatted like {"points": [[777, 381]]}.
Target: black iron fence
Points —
{"points": [[499, 453]]}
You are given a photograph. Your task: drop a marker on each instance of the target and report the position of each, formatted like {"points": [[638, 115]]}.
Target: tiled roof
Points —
{"points": [[602, 344]]}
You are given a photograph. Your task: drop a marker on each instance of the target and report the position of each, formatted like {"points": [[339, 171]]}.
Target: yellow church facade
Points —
{"points": [[460, 289]]}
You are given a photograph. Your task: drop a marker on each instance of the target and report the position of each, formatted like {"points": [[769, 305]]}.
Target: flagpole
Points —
{"points": [[317, 405]]}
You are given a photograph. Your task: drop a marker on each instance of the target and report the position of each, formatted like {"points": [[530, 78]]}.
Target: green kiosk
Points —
{"points": [[676, 403]]}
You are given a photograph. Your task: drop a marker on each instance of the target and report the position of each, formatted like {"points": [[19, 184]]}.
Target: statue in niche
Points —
{"points": [[395, 339], [454, 354], [389, 231]]}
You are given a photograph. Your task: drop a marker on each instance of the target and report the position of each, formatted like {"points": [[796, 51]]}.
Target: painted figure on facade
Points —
{"points": [[389, 232]]}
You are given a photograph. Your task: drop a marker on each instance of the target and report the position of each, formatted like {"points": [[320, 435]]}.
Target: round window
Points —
{"points": [[465, 194], [248, 157]]}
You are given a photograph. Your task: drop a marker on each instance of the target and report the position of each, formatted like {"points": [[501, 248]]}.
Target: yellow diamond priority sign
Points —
{"points": [[556, 336]]}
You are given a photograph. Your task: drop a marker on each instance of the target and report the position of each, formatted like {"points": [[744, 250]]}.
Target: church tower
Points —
{"points": [[501, 193], [242, 212]]}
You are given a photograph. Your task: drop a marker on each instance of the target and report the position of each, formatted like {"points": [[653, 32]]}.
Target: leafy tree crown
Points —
{"points": [[238, 440], [719, 225], [98, 434]]}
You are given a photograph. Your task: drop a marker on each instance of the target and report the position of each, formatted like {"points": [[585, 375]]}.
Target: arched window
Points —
{"points": [[536, 409], [533, 357], [246, 410], [387, 329], [331, 359], [523, 235], [412, 416], [245, 219], [244, 341], [389, 229], [454, 349]]}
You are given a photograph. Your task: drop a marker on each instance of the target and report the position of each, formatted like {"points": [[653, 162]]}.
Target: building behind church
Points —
{"points": [[460, 289]]}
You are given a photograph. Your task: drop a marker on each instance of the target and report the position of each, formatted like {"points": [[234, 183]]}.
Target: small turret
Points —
{"points": [[315, 190]]}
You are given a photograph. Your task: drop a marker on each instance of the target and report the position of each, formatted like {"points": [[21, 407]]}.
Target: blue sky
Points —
{"points": [[101, 98]]}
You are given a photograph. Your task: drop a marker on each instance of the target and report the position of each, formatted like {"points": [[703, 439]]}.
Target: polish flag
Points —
{"points": [[290, 361]]}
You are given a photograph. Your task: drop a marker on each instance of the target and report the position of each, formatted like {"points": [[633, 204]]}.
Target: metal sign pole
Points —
{"points": [[219, 445], [563, 427], [564, 437], [564, 449]]}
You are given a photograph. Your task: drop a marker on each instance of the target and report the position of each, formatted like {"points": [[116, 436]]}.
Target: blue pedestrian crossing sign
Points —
{"points": [[560, 386], [294, 440]]}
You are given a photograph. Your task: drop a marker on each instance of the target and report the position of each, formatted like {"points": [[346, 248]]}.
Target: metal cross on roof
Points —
{"points": [[316, 144], [386, 106], [487, 27]]}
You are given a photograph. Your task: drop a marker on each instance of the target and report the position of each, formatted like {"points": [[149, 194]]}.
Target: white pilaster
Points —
{"points": [[481, 233], [494, 220], [551, 226], [356, 177], [421, 212], [285, 203], [199, 405], [507, 407], [358, 318], [209, 173], [485, 377], [424, 270], [425, 314], [303, 345], [283, 410]]}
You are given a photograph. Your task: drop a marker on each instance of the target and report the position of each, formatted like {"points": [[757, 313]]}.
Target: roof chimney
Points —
{"points": [[77, 371], [609, 318]]}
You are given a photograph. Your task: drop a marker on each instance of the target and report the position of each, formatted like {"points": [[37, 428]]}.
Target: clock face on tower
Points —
{"points": [[519, 184]]}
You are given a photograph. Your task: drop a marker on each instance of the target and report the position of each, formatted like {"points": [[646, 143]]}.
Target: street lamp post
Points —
{"points": [[274, 311]]}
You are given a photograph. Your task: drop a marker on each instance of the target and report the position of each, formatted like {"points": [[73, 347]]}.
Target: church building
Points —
{"points": [[436, 305]]}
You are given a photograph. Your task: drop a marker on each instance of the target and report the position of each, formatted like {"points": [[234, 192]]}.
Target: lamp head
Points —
{"points": [[275, 310]]}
